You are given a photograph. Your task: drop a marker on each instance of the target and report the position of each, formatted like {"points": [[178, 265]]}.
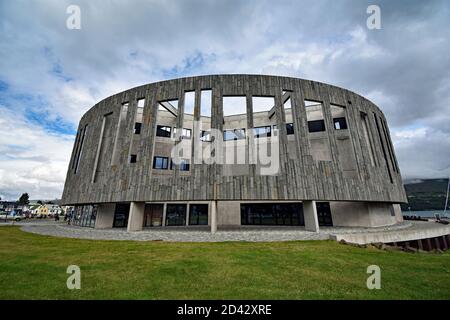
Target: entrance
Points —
{"points": [[153, 215], [324, 214], [121, 215]]}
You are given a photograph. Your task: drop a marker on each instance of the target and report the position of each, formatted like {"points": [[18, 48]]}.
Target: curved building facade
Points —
{"points": [[232, 150]]}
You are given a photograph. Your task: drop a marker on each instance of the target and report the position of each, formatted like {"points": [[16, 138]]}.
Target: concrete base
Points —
{"points": [[105, 216], [365, 214], [420, 231], [228, 214], [136, 217]]}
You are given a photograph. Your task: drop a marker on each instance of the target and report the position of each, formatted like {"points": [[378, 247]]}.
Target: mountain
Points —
{"points": [[426, 194]]}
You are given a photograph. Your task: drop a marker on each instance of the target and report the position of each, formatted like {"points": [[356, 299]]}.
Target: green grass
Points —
{"points": [[34, 267]]}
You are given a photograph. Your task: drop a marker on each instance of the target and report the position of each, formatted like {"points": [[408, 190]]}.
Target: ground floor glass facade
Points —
{"points": [[176, 214], [84, 216], [285, 214]]}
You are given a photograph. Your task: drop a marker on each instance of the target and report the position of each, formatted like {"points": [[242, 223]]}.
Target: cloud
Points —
{"points": [[31, 159], [50, 76]]}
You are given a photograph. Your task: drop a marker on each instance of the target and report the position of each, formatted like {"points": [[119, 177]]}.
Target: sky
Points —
{"points": [[51, 75]]}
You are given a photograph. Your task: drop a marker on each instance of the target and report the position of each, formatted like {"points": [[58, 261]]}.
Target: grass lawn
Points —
{"points": [[34, 267]]}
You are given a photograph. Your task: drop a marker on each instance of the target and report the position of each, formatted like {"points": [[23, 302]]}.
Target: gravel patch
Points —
{"points": [[198, 234]]}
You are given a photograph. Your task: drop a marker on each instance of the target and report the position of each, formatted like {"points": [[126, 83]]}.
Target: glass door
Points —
{"points": [[324, 214], [153, 215]]}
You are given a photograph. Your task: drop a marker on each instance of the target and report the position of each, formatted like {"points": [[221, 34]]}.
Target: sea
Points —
{"points": [[426, 213]]}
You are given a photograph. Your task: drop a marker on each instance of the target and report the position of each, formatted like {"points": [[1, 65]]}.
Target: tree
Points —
{"points": [[24, 199], [39, 202]]}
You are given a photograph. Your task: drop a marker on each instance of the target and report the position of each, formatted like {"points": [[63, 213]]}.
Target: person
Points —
{"points": [[56, 217], [69, 217]]}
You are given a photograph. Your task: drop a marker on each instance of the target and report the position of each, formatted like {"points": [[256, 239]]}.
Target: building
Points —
{"points": [[11, 207], [233, 150], [48, 209]]}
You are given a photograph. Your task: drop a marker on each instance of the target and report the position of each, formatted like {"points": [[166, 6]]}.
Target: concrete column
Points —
{"points": [[136, 217], [213, 217], [164, 214], [105, 216], [429, 246], [310, 215], [420, 244], [436, 242], [444, 243], [187, 211]]}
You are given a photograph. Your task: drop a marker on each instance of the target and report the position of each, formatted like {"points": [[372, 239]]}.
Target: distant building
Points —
{"points": [[48, 209], [10, 207]]}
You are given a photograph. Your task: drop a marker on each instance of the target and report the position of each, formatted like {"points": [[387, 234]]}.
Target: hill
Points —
{"points": [[426, 194]]}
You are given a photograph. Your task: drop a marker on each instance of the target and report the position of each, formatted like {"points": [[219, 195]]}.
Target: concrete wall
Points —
{"points": [[350, 214], [105, 216], [364, 214], [228, 213], [308, 173], [381, 214]]}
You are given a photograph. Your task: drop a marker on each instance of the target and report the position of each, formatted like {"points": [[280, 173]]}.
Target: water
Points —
{"points": [[425, 213]]}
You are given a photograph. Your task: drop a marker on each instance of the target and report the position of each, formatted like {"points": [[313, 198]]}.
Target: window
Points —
{"points": [[316, 126], [185, 133], [340, 123], [83, 216], [338, 113], [233, 105], [205, 136], [289, 128], [175, 214], [183, 166], [80, 150], [168, 108], [121, 215], [77, 141], [236, 134], [160, 163], [314, 116], [198, 214], [383, 148], [137, 128], [262, 131], [287, 214], [141, 103], [121, 127], [368, 137], [189, 102], [261, 104], [205, 102], [392, 210], [163, 131], [389, 146], [133, 158]]}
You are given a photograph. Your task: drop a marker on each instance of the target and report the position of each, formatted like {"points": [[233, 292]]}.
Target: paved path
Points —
{"points": [[202, 234]]}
